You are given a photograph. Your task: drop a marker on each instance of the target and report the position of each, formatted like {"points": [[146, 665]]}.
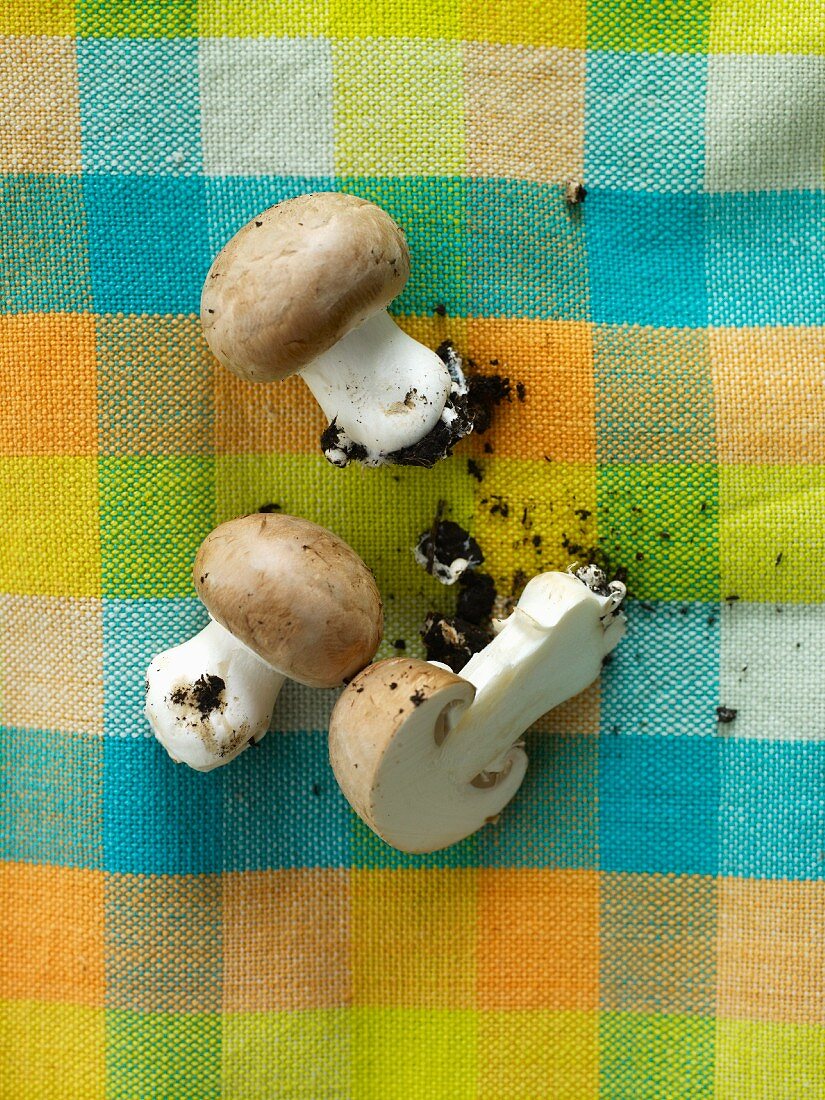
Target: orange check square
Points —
{"points": [[53, 948], [538, 939], [48, 384], [553, 413]]}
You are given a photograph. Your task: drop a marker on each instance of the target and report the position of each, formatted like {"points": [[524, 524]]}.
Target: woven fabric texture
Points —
{"points": [[646, 920]]}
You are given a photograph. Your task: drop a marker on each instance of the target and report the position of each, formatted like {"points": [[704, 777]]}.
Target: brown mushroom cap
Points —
{"points": [[296, 279], [294, 593]]}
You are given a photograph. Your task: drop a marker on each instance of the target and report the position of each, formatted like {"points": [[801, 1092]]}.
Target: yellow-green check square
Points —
{"points": [[155, 512], [640, 26], [162, 1055], [767, 1061], [767, 26], [659, 522], [51, 542], [404, 18], [259, 18], [52, 1051], [765, 511], [380, 513], [312, 1055], [414, 1054], [37, 17], [127, 19], [399, 108]]}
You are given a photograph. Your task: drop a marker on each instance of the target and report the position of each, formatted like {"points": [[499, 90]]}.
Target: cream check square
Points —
{"points": [[266, 107]]}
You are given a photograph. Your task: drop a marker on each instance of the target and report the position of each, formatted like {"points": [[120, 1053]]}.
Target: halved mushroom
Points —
{"points": [[303, 288], [426, 757], [288, 600]]}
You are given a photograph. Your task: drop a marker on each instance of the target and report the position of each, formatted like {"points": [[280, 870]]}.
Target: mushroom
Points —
{"points": [[287, 599], [303, 288], [426, 757]]}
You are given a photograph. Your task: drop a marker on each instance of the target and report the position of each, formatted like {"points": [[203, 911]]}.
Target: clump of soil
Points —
{"points": [[452, 641], [486, 392], [443, 546], [476, 598]]}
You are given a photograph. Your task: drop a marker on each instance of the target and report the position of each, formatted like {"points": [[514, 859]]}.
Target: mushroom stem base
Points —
{"points": [[207, 699], [382, 391]]}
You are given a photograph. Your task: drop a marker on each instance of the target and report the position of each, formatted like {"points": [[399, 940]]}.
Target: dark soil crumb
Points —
{"points": [[417, 697], [270, 508], [474, 470], [440, 309], [639, 556], [443, 544], [521, 391], [732, 599], [583, 514], [316, 789], [664, 535], [476, 598], [204, 696], [399, 643], [574, 193], [452, 641], [488, 448], [725, 714], [778, 558], [500, 507]]}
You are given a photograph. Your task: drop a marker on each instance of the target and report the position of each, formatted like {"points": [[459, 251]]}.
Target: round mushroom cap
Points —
{"points": [[294, 593], [296, 279]]}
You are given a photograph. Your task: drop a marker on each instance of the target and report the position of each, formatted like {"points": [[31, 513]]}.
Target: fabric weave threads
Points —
{"points": [[645, 921]]}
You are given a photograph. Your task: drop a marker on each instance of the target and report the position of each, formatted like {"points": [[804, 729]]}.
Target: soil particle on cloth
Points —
{"points": [[486, 392], [446, 550], [725, 714], [474, 470], [574, 193], [476, 598]]}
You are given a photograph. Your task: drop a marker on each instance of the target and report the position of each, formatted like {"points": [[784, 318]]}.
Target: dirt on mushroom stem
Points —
{"points": [[205, 695]]}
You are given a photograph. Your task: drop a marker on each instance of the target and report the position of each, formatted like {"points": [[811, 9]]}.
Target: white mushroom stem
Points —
{"points": [[383, 389], [208, 698], [549, 649]]}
